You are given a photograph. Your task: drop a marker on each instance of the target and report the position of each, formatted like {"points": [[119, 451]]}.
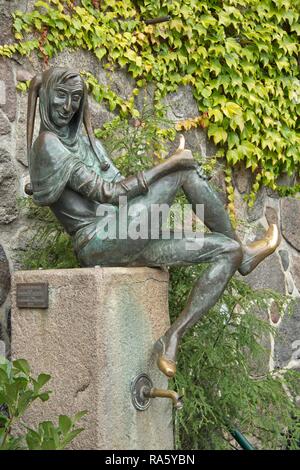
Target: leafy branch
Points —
{"points": [[18, 391]]}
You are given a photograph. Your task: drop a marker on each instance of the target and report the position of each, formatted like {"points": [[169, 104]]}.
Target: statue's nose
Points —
{"points": [[67, 104]]}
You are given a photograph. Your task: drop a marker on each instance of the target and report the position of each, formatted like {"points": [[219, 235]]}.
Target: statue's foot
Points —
{"points": [[165, 363], [257, 251]]}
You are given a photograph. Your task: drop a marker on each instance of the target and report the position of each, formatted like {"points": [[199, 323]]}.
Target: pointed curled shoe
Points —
{"points": [[257, 251], [165, 365]]}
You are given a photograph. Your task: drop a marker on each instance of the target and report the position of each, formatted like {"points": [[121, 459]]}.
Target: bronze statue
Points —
{"points": [[72, 175]]}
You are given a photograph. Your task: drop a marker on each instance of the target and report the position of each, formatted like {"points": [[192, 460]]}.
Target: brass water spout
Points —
{"points": [[159, 393]]}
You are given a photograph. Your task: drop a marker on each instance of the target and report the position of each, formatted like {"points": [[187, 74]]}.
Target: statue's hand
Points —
{"points": [[182, 160]]}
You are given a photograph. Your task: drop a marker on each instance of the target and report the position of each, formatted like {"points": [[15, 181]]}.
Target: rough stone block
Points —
{"points": [[274, 313], [5, 328], [2, 93], [21, 145], [287, 343], [242, 178], [2, 348], [217, 182], [195, 140], [271, 215], [5, 126], [290, 221], [285, 259], [267, 275], [6, 76], [181, 105], [6, 23], [99, 114], [8, 209], [257, 211], [295, 270], [4, 276], [94, 338]]}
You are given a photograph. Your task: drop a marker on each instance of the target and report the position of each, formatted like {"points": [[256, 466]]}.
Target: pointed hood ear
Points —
{"points": [[88, 126], [33, 94]]}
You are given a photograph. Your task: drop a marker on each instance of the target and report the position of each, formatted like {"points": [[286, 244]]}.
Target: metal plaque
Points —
{"points": [[32, 295]]}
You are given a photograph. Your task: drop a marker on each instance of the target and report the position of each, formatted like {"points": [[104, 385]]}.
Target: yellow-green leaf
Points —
{"points": [[231, 109]]}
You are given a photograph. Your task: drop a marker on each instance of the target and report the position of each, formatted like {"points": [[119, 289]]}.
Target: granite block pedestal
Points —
{"points": [[95, 337]]}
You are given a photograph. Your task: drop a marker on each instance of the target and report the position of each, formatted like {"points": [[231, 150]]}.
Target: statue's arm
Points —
{"points": [[95, 188], [52, 167]]}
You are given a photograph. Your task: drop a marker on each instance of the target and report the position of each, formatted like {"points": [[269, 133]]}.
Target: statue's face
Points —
{"points": [[65, 101]]}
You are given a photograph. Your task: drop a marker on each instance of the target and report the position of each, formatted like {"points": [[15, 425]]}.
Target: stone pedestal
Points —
{"points": [[95, 337]]}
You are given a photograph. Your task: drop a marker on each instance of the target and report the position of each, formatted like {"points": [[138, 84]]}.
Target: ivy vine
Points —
{"points": [[240, 58]]}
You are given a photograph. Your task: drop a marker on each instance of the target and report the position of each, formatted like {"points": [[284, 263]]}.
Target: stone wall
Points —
{"points": [[280, 272]]}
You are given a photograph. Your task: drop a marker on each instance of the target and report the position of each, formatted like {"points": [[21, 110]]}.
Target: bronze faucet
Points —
{"points": [[160, 393]]}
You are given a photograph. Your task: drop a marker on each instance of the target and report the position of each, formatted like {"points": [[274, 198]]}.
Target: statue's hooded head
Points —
{"points": [[63, 107], [62, 101]]}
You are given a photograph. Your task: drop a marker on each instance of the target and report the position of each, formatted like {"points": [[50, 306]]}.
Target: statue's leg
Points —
{"points": [[198, 191], [224, 256], [121, 249]]}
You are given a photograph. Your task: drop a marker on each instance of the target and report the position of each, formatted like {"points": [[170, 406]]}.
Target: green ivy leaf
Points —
{"points": [[233, 140], [231, 109], [216, 113], [218, 133], [100, 52]]}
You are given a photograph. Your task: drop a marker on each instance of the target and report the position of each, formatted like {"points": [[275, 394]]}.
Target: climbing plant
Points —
{"points": [[240, 58], [223, 369], [50, 246], [18, 391]]}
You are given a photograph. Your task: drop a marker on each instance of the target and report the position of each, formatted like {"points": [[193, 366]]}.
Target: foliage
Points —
{"points": [[138, 144], [218, 367], [50, 246], [18, 390], [241, 60]]}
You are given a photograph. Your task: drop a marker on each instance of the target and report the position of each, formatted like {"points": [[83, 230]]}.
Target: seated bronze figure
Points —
{"points": [[72, 175]]}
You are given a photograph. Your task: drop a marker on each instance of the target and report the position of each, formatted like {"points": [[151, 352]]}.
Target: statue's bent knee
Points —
{"points": [[234, 251]]}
